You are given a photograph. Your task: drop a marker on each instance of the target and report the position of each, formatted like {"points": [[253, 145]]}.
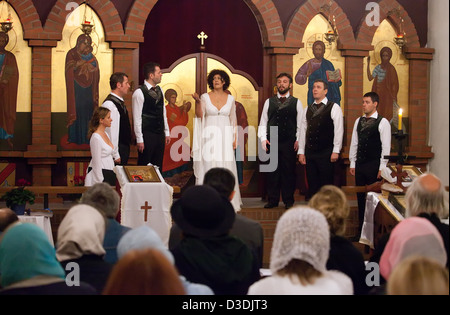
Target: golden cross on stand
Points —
{"points": [[202, 36], [146, 207]]}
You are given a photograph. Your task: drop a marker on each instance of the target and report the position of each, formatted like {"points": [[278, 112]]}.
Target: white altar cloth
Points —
{"points": [[42, 221], [367, 231], [138, 196]]}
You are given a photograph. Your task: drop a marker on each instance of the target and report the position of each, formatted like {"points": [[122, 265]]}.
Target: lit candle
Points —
{"points": [[400, 114], [399, 35]]}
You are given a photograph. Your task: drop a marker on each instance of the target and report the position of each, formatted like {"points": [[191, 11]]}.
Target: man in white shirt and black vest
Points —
{"points": [[284, 112], [120, 130], [150, 119], [321, 134], [371, 142]]}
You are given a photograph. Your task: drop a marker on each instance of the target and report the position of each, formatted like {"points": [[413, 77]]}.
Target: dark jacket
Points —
{"points": [[348, 259]]}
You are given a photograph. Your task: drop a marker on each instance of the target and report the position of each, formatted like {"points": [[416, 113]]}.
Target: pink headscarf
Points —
{"points": [[412, 237]]}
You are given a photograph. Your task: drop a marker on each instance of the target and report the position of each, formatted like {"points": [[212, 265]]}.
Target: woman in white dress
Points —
{"points": [[215, 131], [102, 162]]}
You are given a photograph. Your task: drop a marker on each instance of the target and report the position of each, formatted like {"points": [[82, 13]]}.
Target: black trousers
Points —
{"points": [[124, 151], [283, 178], [154, 145], [319, 170], [109, 176], [365, 174]]}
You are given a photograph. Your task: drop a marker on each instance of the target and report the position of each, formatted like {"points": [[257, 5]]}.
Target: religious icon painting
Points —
{"points": [[141, 174]]}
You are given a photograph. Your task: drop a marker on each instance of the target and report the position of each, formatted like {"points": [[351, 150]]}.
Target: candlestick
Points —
{"points": [[400, 114]]}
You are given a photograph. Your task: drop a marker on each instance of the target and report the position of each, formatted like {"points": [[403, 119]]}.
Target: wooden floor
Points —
{"points": [[252, 208]]}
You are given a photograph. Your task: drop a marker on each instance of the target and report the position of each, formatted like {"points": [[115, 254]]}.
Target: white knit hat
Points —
{"points": [[301, 233]]}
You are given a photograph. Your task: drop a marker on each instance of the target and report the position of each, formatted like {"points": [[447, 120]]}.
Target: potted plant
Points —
{"points": [[17, 198]]}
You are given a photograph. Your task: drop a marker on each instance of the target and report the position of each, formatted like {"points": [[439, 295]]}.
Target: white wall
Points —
{"points": [[438, 32]]}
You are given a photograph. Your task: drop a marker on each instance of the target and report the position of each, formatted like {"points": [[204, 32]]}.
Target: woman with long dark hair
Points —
{"points": [[102, 162], [215, 131]]}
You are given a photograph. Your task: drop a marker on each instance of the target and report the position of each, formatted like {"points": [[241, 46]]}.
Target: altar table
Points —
{"points": [[146, 203]]}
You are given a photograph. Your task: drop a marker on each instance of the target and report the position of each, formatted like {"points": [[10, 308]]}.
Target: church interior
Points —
{"points": [[253, 41]]}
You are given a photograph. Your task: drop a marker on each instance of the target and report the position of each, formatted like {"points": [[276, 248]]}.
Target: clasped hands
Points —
{"points": [[266, 143], [302, 159]]}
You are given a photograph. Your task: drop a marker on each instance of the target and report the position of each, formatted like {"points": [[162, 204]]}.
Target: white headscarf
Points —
{"points": [[81, 232], [301, 233]]}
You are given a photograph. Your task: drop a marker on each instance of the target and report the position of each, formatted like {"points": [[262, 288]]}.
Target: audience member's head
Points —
{"points": [[417, 275], [222, 180], [26, 253], [426, 195], [141, 238], [144, 237], [81, 232], [332, 202], [144, 272], [411, 237], [7, 217], [203, 212], [103, 198], [301, 244]]}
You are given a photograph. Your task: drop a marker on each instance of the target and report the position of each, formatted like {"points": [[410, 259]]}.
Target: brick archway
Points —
{"points": [[29, 18], [265, 13], [306, 12], [137, 17], [105, 10], [365, 33], [269, 22]]}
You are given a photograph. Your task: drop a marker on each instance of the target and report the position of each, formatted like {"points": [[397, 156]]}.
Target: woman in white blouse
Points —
{"points": [[102, 163]]}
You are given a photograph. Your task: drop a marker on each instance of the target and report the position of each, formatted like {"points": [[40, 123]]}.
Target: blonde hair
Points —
{"points": [[99, 113], [418, 275], [332, 202]]}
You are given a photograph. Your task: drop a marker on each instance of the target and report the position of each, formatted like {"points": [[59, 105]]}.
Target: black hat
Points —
{"points": [[203, 212]]}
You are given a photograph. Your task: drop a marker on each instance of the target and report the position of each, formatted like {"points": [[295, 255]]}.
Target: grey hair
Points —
{"points": [[420, 200], [102, 197]]}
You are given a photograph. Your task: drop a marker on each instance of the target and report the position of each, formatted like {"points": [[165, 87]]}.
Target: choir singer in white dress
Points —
{"points": [[102, 162], [215, 131]]}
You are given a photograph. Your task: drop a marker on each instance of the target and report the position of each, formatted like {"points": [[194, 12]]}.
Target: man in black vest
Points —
{"points": [[321, 136], [284, 112], [371, 142], [120, 130], [150, 119]]}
